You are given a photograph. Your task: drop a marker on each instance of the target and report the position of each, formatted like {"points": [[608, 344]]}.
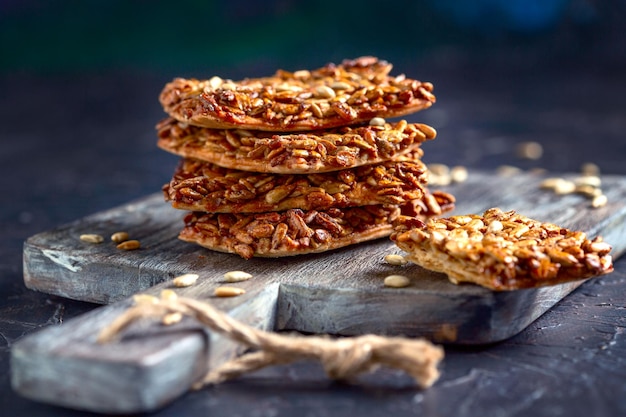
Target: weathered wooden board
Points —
{"points": [[340, 292]]}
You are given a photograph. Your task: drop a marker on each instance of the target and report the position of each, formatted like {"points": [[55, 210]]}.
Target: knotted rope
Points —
{"points": [[342, 359]]}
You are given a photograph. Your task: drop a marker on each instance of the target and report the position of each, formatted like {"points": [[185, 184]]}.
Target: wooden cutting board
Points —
{"points": [[339, 292]]}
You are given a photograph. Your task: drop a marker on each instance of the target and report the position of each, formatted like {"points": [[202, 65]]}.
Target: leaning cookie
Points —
{"points": [[335, 95], [503, 250], [202, 186], [302, 153]]}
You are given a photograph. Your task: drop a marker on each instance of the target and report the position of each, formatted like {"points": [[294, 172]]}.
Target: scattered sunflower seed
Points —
{"points": [[588, 190], [458, 174], [91, 238], [119, 237], [439, 169], [592, 180], [229, 291], [394, 259], [565, 187], [397, 281], [236, 276], [558, 185], [185, 280], [599, 201], [129, 245]]}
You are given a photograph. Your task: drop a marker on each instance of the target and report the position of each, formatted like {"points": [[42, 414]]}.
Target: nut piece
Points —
{"points": [[129, 245], [119, 237], [394, 259], [91, 238], [397, 281], [185, 280], [236, 276], [229, 291]]}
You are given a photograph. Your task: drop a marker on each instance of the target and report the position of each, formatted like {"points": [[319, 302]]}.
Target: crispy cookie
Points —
{"points": [[202, 186], [298, 153], [292, 232], [503, 250], [297, 232], [335, 95]]}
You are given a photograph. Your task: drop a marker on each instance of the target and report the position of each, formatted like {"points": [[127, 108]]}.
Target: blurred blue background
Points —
{"points": [[243, 36]]}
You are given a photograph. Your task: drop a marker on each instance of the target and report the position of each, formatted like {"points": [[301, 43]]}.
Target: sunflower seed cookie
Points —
{"points": [[335, 95], [299, 153], [294, 231], [503, 250], [202, 186]]}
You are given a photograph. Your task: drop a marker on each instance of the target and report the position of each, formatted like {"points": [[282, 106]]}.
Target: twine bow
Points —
{"points": [[342, 359]]}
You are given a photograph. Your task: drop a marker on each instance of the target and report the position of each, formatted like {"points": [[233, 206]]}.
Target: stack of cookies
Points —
{"points": [[298, 162]]}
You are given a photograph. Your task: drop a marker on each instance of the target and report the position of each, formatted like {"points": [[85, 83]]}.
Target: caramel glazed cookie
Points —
{"points": [[297, 232], [295, 153], [201, 186], [503, 250], [335, 95]]}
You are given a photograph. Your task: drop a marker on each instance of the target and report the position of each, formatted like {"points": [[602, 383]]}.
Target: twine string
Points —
{"points": [[342, 358]]}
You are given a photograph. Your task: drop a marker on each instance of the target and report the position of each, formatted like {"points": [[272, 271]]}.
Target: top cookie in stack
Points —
{"points": [[298, 162]]}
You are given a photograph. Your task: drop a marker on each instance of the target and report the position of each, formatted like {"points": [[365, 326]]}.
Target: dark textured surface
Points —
{"points": [[76, 142]]}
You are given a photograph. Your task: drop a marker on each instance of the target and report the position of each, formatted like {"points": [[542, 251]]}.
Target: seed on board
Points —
{"points": [[550, 183], [185, 280], [129, 245], [438, 180], [599, 201], [172, 318], [91, 238], [529, 150], [588, 190], [565, 187], [228, 291], [394, 259], [592, 180], [458, 174], [397, 281], [558, 185], [439, 169], [236, 276], [119, 237]]}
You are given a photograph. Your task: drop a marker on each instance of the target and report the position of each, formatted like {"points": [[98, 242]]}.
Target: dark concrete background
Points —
{"points": [[78, 102]]}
